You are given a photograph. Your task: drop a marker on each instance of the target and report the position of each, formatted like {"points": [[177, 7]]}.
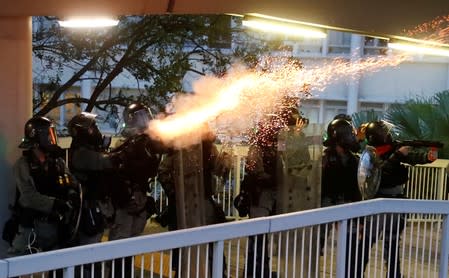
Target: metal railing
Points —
{"points": [[325, 242], [428, 181]]}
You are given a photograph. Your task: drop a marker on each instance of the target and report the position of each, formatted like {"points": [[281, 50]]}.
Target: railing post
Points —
{"points": [[444, 247], [69, 272], [341, 248], [217, 264], [3, 269], [442, 179]]}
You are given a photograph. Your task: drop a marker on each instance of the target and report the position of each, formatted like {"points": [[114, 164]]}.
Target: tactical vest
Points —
{"points": [[339, 180], [95, 186], [48, 181], [141, 163]]}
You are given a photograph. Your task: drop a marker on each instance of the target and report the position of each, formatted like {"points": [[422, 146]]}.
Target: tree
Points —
{"points": [[362, 117], [154, 50], [423, 119]]}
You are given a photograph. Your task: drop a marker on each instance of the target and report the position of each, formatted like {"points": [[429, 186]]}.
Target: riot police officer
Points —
{"points": [[47, 194], [339, 164], [392, 179], [89, 162], [339, 176], [214, 164], [259, 187], [140, 156]]}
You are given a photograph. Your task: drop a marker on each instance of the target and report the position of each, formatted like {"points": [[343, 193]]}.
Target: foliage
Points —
{"points": [[154, 51], [364, 117], [423, 119]]}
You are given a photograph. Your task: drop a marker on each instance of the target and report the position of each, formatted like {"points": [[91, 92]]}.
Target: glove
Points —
{"points": [[73, 198], [162, 218], [242, 203], [150, 207], [61, 207], [432, 155]]}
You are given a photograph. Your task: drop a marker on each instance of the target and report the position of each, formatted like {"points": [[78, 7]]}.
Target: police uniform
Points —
{"points": [[47, 194], [38, 187], [89, 167], [260, 186], [140, 164], [393, 177], [339, 179]]}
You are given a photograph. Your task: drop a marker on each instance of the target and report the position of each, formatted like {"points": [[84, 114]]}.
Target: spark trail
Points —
{"points": [[237, 101]]}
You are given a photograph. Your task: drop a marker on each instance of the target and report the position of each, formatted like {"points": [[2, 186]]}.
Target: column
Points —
{"points": [[447, 80], [86, 88], [321, 113], [325, 45], [353, 86], [16, 102]]}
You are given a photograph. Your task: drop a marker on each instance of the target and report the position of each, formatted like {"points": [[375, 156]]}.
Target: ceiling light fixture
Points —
{"points": [[88, 22], [283, 27], [427, 49]]}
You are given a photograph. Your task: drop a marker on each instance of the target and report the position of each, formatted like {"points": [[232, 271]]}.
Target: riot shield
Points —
{"points": [[299, 169], [368, 173], [190, 207], [299, 188]]}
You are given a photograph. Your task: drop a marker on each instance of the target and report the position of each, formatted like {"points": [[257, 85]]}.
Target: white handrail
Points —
{"points": [[64, 258]]}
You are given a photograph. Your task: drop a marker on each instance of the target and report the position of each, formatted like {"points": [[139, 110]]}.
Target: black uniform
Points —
{"points": [[393, 177], [139, 157], [339, 178]]}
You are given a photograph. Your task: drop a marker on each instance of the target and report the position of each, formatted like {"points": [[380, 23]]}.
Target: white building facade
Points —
{"points": [[419, 76]]}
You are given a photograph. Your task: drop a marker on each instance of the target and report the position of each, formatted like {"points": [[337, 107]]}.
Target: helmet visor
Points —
{"points": [[48, 136], [137, 121]]}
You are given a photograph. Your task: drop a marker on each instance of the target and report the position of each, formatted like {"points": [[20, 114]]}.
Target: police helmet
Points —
{"points": [[343, 116], [84, 130], [378, 133], [341, 132], [39, 132], [136, 117]]}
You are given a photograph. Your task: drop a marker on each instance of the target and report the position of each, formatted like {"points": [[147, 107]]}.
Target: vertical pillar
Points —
{"points": [[353, 86], [16, 101], [447, 80], [86, 89], [321, 112], [325, 45]]}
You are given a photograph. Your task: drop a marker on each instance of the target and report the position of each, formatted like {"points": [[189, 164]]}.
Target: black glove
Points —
{"points": [[61, 207], [242, 203], [162, 217], [150, 207], [73, 198]]}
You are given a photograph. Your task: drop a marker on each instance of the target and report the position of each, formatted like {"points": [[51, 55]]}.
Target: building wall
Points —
{"points": [[419, 76]]}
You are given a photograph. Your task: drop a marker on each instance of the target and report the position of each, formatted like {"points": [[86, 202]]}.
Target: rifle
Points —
{"points": [[418, 144]]}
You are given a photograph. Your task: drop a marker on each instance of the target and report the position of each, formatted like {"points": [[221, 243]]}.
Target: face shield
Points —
{"points": [[47, 136], [48, 141], [136, 122], [347, 139]]}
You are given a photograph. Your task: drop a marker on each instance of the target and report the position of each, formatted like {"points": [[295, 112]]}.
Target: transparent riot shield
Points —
{"points": [[368, 173], [299, 188], [190, 207]]}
